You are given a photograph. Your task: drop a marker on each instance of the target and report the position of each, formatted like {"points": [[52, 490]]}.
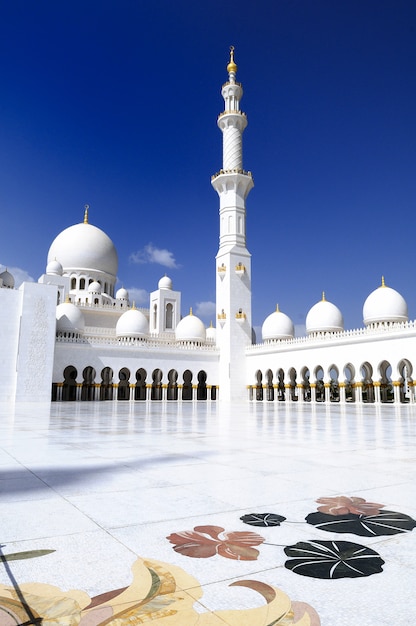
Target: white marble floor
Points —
{"points": [[103, 485]]}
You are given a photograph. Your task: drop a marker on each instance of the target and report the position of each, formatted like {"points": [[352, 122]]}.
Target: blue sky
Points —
{"points": [[114, 104]]}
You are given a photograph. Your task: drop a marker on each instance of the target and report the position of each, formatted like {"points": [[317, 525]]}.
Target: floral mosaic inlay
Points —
{"points": [[205, 541], [158, 592]]}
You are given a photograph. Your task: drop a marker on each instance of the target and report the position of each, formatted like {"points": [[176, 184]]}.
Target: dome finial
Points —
{"points": [[86, 207], [190, 311], [383, 284], [277, 308], [232, 67], [323, 297]]}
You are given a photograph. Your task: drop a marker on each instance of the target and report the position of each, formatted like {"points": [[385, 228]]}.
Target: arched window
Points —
{"points": [[73, 283], [169, 316], [154, 316], [82, 283]]}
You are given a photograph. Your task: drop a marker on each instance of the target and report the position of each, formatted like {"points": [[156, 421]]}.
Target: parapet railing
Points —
{"points": [[335, 337]]}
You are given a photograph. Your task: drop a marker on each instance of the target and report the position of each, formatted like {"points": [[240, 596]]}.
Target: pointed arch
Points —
{"points": [[106, 385], [140, 386], [88, 383], [172, 393], [69, 387], [123, 389], [187, 385]]}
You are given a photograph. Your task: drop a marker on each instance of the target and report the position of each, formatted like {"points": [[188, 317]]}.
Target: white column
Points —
{"points": [[377, 393]]}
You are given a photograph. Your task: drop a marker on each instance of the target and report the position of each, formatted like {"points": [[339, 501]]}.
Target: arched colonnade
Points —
{"points": [[137, 386], [368, 384]]}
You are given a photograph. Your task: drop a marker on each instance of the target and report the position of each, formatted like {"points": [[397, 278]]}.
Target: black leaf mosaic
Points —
{"points": [[383, 523], [332, 559], [263, 519]]}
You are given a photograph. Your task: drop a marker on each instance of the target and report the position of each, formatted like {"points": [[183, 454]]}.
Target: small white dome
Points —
{"points": [[132, 324], [277, 325], [165, 283], [211, 334], [94, 287], [69, 318], [190, 328], [54, 267], [324, 317], [386, 305], [8, 279], [122, 294]]}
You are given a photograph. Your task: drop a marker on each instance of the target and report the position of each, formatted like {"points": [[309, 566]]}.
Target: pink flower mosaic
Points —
{"points": [[343, 505]]}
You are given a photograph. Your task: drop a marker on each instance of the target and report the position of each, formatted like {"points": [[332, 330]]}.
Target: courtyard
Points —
{"points": [[207, 513]]}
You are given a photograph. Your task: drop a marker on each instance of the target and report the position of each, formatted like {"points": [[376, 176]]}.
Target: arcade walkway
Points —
{"points": [[205, 514]]}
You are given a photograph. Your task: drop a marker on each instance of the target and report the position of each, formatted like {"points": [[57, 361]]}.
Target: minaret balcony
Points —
{"points": [[232, 112], [236, 170]]}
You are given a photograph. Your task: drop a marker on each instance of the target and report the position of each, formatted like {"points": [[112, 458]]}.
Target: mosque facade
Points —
{"points": [[73, 336]]}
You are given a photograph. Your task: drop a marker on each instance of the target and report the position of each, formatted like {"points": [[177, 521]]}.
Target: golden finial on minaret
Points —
{"points": [[232, 67], [86, 207], [383, 284], [323, 297]]}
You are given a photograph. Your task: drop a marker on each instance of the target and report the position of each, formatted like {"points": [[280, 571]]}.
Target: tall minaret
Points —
{"points": [[233, 286]]}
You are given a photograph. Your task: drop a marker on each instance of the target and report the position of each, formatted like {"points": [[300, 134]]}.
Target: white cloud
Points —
{"points": [[205, 309], [20, 276], [151, 254], [138, 296]]}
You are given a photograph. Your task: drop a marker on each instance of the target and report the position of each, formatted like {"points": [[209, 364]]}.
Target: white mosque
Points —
{"points": [[72, 337]]}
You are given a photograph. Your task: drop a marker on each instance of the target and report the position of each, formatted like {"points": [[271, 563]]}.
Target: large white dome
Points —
{"points": [[324, 317], [277, 325], [69, 318], [84, 247], [190, 328], [132, 324], [386, 305]]}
